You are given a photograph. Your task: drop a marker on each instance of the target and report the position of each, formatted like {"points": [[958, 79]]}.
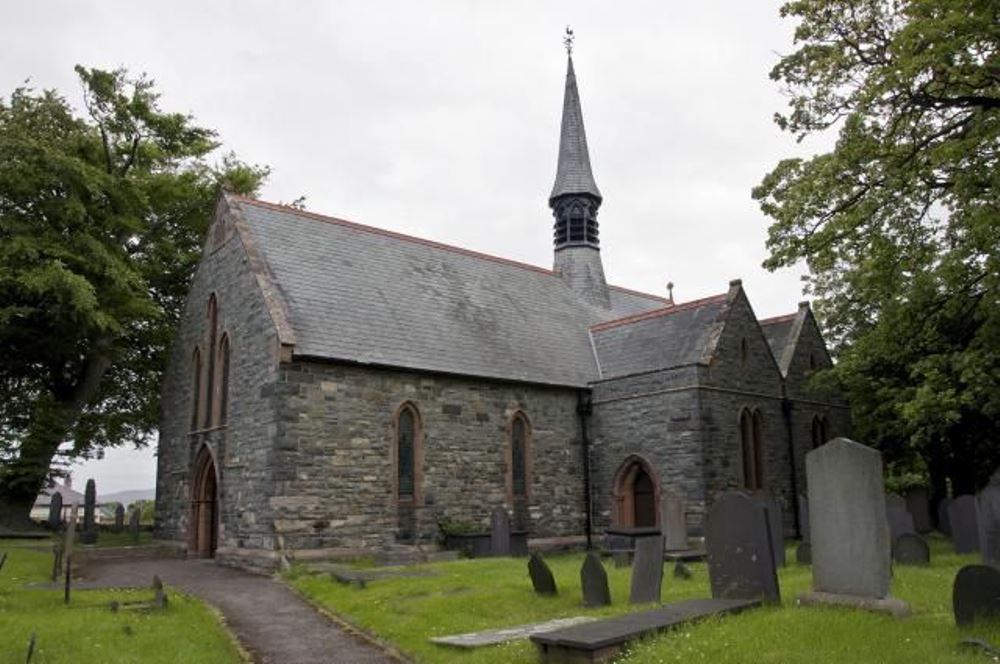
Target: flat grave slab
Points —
{"points": [[494, 636], [361, 577], [603, 640]]}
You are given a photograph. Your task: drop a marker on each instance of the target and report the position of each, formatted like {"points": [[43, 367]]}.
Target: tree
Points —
{"points": [[102, 220], [899, 223]]}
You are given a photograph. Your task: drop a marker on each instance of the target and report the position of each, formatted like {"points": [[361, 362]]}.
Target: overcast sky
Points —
{"points": [[441, 119]]}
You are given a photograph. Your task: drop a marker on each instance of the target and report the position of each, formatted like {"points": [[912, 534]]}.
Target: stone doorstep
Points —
{"points": [[495, 636], [895, 607], [602, 640]]}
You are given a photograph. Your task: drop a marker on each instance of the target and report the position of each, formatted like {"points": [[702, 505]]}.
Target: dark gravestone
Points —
{"points": [[647, 571], [119, 517], [55, 510], [894, 501], [541, 576], [900, 523], [963, 513], [976, 594], [133, 523], [594, 581], [944, 520], [681, 570], [918, 503], [804, 518], [803, 553], [738, 544], [500, 532], [673, 518], [89, 533], [159, 596], [911, 549], [775, 525], [989, 524], [3, 560]]}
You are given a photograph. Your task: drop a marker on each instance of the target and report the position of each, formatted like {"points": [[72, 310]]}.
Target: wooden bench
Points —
{"points": [[602, 640]]}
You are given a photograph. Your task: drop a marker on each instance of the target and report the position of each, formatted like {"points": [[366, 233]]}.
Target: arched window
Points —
{"points": [[744, 351], [407, 432], [213, 324], [819, 431], [223, 379], [195, 387], [751, 427], [519, 433]]}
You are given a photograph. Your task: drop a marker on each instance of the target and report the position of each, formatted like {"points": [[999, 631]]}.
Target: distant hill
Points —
{"points": [[127, 497]]}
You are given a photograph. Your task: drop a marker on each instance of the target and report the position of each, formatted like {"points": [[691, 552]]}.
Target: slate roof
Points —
{"points": [[367, 295], [782, 334], [69, 496], [573, 172], [660, 339]]}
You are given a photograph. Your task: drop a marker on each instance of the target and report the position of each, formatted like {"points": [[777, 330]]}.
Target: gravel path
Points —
{"points": [[273, 623]]}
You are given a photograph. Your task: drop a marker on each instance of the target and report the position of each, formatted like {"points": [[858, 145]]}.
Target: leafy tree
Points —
{"points": [[102, 219], [899, 223]]}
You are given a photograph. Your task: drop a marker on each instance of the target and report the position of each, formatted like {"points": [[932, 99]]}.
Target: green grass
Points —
{"points": [[88, 631], [471, 595]]}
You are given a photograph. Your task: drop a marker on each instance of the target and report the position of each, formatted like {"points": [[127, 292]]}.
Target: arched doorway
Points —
{"points": [[203, 536], [636, 494]]}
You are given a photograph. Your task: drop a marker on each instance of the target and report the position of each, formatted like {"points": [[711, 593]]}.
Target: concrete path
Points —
{"points": [[273, 623]]}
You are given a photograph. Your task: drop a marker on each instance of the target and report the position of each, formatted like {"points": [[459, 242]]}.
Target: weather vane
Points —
{"points": [[568, 40]]}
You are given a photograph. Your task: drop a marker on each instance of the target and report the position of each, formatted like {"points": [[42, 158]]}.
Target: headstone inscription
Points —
{"points": [[55, 511], [976, 594], [851, 562], [804, 518], [900, 523], [133, 523], [500, 532], [740, 556], [989, 524], [119, 517], [918, 503], [963, 513], [541, 576], [911, 549], [673, 517], [944, 520], [594, 581], [89, 533], [647, 571]]}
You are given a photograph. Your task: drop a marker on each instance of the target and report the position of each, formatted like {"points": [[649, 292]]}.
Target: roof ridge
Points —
{"points": [[393, 234], [778, 319], [657, 313]]}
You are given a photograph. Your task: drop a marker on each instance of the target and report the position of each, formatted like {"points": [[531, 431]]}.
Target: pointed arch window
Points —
{"points": [[213, 325], [751, 431], [407, 440], [819, 431], [223, 379], [519, 456], [195, 387]]}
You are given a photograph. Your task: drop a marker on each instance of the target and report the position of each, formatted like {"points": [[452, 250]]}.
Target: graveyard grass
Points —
{"points": [[88, 631], [473, 595]]}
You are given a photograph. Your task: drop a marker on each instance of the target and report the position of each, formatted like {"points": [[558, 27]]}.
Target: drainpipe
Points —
{"points": [[786, 411], [584, 408]]}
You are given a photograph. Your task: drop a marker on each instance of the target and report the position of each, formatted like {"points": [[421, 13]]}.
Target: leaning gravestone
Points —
{"points": [[776, 527], [673, 517], [918, 503], [851, 562], [976, 594], [911, 549], [804, 518], [963, 513], [944, 521], [133, 523], [647, 571], [55, 510], [594, 581], [119, 517], [541, 576], [89, 533], [900, 523], [989, 524], [738, 544], [500, 532]]}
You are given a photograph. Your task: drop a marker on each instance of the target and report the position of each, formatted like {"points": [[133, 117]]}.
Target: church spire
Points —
{"points": [[573, 173]]}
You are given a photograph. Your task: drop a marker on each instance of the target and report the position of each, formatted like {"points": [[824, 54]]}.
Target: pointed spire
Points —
{"points": [[573, 174]]}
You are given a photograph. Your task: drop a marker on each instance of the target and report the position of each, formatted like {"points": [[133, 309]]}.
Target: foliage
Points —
{"points": [[493, 593], [899, 224], [102, 219], [147, 509]]}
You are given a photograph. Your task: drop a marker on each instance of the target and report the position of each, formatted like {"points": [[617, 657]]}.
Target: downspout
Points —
{"points": [[584, 408], [786, 411]]}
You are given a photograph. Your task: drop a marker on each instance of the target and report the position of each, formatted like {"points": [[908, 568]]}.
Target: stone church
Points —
{"points": [[337, 388]]}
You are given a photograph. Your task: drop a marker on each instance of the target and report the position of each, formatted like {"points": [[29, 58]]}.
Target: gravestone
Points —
{"points": [[976, 594], [740, 556], [68, 551], [119, 517], [673, 517], [57, 558], [989, 524], [851, 557], [776, 527], [803, 553], [647, 571], [594, 581], [159, 596], [944, 521], [911, 549], [900, 523], [681, 570], [894, 501], [500, 532], [89, 533], [55, 510], [133, 523], [3, 560], [541, 576], [804, 518], [918, 503], [963, 513]]}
